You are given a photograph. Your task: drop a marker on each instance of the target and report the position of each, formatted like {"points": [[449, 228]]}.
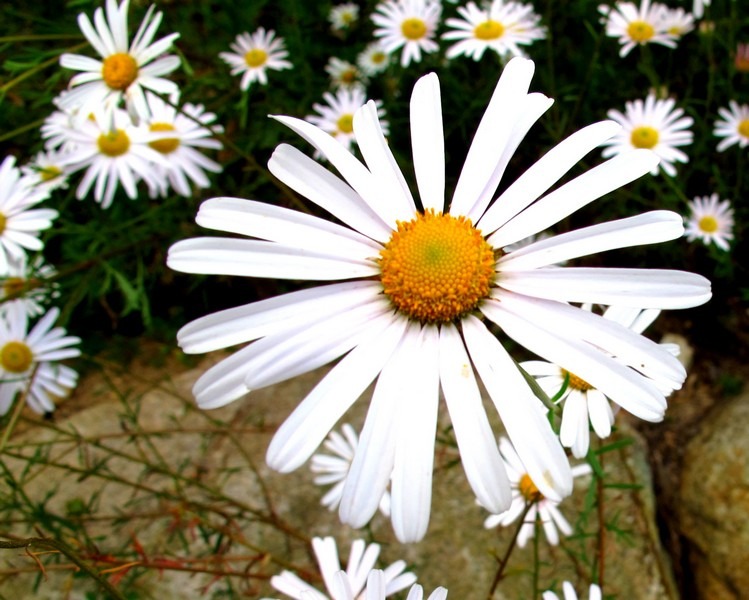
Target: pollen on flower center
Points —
{"points": [[119, 71], [644, 137], [255, 57], [576, 383], [489, 30], [348, 76], [528, 489], [16, 357], [114, 143], [167, 145], [640, 31], [378, 57], [708, 224], [744, 128], [436, 267], [345, 123], [413, 28]]}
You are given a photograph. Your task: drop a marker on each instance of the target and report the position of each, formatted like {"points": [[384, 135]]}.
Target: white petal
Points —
{"points": [[428, 142]]}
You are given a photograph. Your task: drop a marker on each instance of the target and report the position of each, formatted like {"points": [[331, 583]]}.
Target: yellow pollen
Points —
{"points": [[413, 28], [16, 357], [644, 137], [436, 267], [378, 57], [114, 143], [345, 123], [640, 31], [528, 489], [744, 128], [489, 30], [119, 71], [348, 76], [708, 224], [255, 57], [3, 220], [576, 383], [167, 145]]}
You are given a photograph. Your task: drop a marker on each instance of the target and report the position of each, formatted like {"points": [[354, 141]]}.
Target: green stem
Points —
{"points": [[35, 69]]}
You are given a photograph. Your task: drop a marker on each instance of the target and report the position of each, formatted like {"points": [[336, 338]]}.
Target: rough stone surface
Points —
{"points": [[714, 507]]}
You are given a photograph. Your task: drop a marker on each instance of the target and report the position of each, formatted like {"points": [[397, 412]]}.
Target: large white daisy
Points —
{"points": [[192, 129], [125, 70], [20, 224], [637, 25], [413, 288], [407, 24], [29, 359], [501, 26], [733, 127], [654, 124], [253, 54]]}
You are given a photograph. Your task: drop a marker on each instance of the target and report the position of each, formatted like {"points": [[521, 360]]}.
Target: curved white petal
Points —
{"points": [[428, 142]]}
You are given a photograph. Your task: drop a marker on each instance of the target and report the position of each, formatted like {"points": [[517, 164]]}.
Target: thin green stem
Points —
{"points": [[35, 69]]}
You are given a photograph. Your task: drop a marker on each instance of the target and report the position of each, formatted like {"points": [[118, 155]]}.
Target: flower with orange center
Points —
{"points": [[125, 70], [252, 55], [407, 24]]}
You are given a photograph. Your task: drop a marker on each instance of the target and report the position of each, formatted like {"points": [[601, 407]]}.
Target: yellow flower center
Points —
{"points": [[644, 137], [436, 267], [708, 224], [114, 143], [413, 28], [3, 220], [49, 173], [529, 490], [378, 57], [744, 128], [489, 30], [13, 286], [575, 382], [640, 31], [255, 57], [348, 76], [345, 123], [16, 357], [348, 17], [167, 145], [119, 71]]}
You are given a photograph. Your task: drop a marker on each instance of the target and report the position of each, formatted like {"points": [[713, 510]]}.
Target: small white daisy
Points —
{"points": [[653, 124], [337, 115], [677, 22], [410, 24], [711, 220], [253, 54], [193, 129], [343, 16], [501, 26], [28, 360], [585, 404], [20, 225], [636, 26], [349, 584], [26, 283], [594, 593], [373, 59], [114, 155], [126, 69], [734, 126], [46, 171], [344, 74], [698, 8], [525, 492], [334, 469]]}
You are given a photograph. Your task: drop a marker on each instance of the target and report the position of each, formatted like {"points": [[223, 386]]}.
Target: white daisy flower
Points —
{"points": [[343, 16], [126, 70], [46, 171], [344, 74], [351, 584], [20, 225], [335, 468], [677, 22], [595, 592], [525, 492], [636, 26], [25, 283], [113, 156], [253, 54], [711, 220], [337, 115], [734, 126], [407, 24], [193, 130], [373, 59], [583, 403], [28, 360], [501, 26], [412, 286], [698, 8], [653, 124]]}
